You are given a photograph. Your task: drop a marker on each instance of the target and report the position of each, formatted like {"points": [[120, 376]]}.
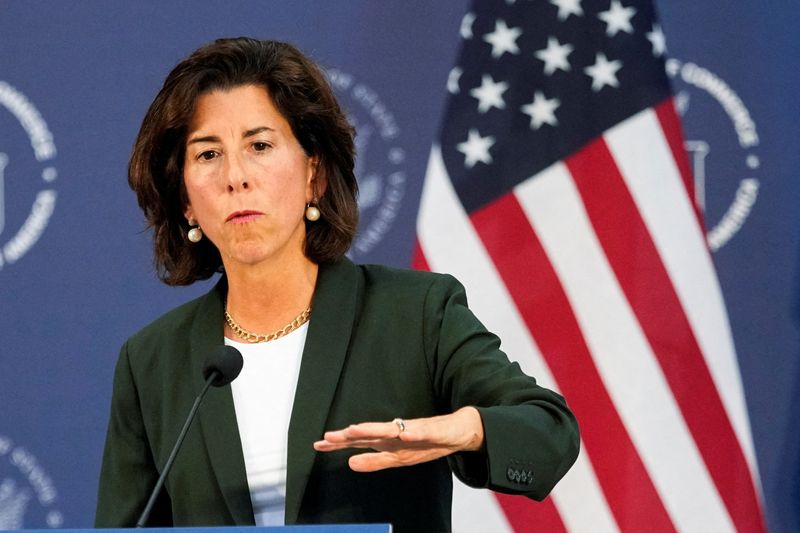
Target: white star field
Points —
{"points": [[476, 148], [557, 57]]}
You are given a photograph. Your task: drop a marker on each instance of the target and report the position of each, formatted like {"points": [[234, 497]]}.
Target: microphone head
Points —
{"points": [[226, 361]]}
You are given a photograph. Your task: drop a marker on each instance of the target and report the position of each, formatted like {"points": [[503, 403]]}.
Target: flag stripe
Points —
{"points": [[647, 287], [526, 271], [477, 510], [580, 499], [449, 243], [671, 125], [521, 513], [700, 400], [621, 352], [655, 185], [418, 260]]}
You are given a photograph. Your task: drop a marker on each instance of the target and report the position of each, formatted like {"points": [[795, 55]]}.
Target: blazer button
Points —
{"points": [[510, 473]]}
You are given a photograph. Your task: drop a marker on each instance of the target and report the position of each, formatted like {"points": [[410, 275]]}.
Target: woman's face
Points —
{"points": [[247, 177]]}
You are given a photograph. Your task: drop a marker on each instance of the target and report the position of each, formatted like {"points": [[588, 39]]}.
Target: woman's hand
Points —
{"points": [[422, 440]]}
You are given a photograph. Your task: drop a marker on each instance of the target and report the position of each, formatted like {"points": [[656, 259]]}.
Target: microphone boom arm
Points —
{"points": [[168, 465]]}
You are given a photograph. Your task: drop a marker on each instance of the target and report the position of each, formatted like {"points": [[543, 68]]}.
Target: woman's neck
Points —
{"points": [[265, 297]]}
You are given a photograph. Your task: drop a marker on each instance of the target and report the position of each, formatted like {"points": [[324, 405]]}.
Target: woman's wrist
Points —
{"points": [[473, 423]]}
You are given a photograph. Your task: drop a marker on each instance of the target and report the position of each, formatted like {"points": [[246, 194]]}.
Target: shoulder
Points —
{"points": [[172, 331], [405, 283], [381, 276], [176, 319]]}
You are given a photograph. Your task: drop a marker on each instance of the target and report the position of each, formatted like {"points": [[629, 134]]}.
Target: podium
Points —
{"points": [[334, 528]]}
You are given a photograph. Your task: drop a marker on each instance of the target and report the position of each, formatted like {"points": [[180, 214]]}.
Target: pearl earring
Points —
{"points": [[312, 212], [195, 234]]}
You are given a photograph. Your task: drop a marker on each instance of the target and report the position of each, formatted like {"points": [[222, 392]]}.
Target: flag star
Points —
{"points": [[542, 110], [452, 80], [466, 26], [603, 72], [489, 94], [567, 8], [555, 56], [659, 42], [617, 18], [503, 39], [476, 148]]}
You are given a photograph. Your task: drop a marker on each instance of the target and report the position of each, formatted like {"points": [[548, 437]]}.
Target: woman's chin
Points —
{"points": [[255, 254]]}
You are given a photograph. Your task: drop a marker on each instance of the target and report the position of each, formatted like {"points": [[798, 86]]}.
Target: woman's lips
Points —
{"points": [[240, 217]]}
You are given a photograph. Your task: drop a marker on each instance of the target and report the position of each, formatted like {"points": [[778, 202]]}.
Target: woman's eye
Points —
{"points": [[208, 155], [260, 146]]}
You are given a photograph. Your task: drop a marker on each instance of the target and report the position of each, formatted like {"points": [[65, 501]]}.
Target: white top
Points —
{"points": [[262, 396]]}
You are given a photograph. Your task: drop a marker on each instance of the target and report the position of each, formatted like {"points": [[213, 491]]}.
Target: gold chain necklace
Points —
{"points": [[249, 336]]}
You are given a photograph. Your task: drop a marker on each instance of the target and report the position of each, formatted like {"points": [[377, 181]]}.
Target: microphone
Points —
{"points": [[223, 364], [221, 367]]}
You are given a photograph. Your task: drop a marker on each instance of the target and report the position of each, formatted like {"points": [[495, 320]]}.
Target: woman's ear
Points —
{"points": [[317, 181], [188, 212]]}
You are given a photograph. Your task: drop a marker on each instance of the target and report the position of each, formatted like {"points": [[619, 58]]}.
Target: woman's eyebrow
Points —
{"points": [[256, 131], [206, 139], [214, 138]]}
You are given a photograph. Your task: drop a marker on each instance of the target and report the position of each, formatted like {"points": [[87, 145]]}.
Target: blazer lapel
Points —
{"points": [[217, 415], [334, 309]]}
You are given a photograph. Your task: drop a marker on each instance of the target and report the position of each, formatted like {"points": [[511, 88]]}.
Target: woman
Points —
{"points": [[375, 382]]}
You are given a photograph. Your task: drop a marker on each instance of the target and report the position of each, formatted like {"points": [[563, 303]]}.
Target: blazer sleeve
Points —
{"points": [[128, 473], [531, 437]]}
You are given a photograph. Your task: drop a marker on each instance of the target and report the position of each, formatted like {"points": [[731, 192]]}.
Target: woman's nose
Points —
{"points": [[237, 178]]}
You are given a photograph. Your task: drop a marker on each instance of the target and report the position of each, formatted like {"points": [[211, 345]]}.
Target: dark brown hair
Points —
{"points": [[300, 92]]}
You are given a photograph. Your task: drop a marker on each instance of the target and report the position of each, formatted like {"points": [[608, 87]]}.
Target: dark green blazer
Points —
{"points": [[382, 343]]}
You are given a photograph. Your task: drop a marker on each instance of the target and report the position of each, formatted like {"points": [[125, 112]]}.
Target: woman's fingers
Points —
{"points": [[364, 431], [365, 435], [371, 462], [406, 442], [328, 446]]}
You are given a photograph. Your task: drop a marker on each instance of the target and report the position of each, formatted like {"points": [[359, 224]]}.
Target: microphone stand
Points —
{"points": [[168, 465]]}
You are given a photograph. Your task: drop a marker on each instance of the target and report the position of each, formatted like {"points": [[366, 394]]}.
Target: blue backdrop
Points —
{"points": [[76, 276]]}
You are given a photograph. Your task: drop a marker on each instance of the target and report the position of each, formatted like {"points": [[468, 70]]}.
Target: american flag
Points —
{"points": [[560, 195]]}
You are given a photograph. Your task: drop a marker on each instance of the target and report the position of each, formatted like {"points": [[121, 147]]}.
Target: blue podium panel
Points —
{"points": [[337, 528]]}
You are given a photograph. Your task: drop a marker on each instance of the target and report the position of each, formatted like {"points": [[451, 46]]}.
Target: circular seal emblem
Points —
{"points": [[27, 494], [380, 165], [734, 180], [26, 151]]}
